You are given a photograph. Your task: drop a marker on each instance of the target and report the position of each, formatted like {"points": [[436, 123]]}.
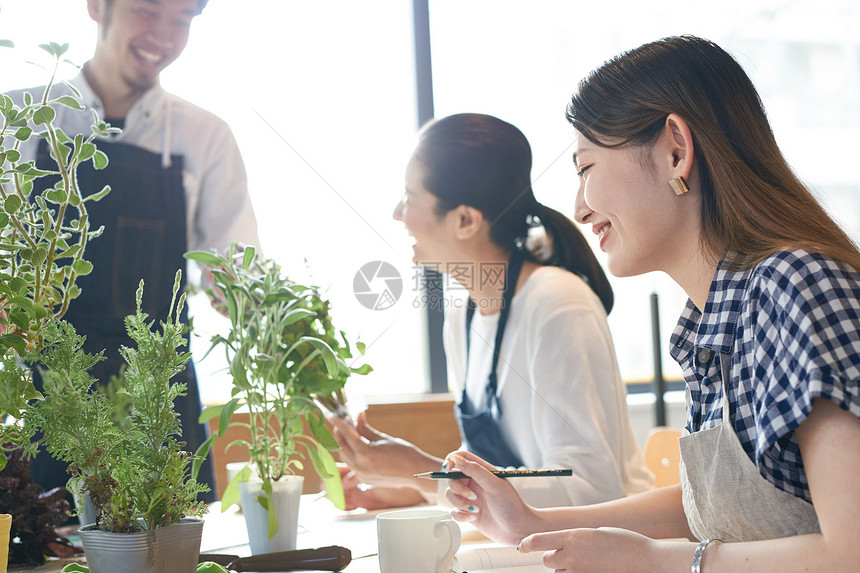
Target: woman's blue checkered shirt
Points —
{"points": [[792, 324]]}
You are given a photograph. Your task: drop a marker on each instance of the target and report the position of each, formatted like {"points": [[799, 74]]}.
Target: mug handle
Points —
{"points": [[454, 535]]}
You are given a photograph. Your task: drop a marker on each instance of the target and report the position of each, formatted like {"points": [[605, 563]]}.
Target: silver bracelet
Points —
{"points": [[700, 550]]}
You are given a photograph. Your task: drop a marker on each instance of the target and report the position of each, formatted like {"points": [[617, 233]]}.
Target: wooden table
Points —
{"points": [[320, 524]]}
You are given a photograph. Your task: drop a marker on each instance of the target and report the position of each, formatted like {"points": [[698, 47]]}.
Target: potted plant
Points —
{"points": [[284, 356], [43, 236], [42, 241], [124, 452]]}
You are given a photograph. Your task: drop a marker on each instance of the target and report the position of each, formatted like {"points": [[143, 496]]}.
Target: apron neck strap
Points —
{"points": [[512, 274]]}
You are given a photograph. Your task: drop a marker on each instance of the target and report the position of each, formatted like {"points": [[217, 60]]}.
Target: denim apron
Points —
{"points": [[480, 429], [724, 495], [144, 237]]}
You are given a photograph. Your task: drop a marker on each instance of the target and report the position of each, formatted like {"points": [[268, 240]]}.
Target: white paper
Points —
{"points": [[485, 557]]}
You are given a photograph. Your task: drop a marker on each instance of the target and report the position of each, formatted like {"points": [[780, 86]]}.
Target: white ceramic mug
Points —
{"points": [[417, 541]]}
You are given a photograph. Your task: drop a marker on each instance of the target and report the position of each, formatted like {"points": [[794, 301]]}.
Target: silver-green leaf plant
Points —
{"points": [[285, 358], [43, 236]]}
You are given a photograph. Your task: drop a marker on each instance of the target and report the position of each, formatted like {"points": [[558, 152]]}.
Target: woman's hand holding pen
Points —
{"points": [[491, 503]]}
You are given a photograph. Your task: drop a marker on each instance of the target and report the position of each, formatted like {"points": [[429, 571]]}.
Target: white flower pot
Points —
{"points": [[233, 468], [88, 512], [173, 549], [286, 495]]}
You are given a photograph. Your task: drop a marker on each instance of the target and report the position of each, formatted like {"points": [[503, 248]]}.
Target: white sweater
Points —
{"points": [[563, 402]]}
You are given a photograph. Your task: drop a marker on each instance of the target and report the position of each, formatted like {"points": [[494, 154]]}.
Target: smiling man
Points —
{"points": [[178, 184], [137, 40]]}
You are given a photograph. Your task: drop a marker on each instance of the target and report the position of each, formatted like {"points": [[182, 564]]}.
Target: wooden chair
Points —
{"points": [[663, 455]]}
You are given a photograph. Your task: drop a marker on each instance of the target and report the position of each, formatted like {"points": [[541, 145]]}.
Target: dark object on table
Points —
{"points": [[330, 558], [35, 514], [497, 473]]}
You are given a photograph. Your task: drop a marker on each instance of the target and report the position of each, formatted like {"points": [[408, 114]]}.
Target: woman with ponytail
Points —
{"points": [[530, 356]]}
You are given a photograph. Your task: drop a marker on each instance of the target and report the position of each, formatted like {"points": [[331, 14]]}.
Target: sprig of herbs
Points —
{"points": [[284, 356], [76, 421], [129, 460], [43, 236], [161, 491]]}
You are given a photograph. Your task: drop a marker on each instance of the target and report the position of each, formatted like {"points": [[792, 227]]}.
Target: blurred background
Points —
{"points": [[321, 97]]}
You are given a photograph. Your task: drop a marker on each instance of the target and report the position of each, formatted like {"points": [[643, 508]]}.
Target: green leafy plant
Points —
{"points": [[162, 491], [284, 356], [129, 459], [76, 420], [43, 237]]}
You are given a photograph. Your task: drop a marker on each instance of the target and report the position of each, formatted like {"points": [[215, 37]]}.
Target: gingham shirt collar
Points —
{"points": [[717, 332]]}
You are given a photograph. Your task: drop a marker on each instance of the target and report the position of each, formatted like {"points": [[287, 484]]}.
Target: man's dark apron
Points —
{"points": [[480, 430], [144, 238]]}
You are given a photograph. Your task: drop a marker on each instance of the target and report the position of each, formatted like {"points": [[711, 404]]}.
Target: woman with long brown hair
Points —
{"points": [[679, 172]]}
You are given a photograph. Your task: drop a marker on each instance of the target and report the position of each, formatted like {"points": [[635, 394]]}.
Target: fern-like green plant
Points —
{"points": [[285, 356], [123, 451], [76, 421], [161, 490]]}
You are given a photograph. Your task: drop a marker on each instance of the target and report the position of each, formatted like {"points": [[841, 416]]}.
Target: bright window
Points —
{"points": [[320, 96], [521, 62]]}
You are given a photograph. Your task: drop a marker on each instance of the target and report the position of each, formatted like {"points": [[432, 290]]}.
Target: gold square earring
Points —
{"points": [[678, 185]]}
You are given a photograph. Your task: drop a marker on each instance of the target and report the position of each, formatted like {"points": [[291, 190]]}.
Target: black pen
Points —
{"points": [[497, 473]]}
